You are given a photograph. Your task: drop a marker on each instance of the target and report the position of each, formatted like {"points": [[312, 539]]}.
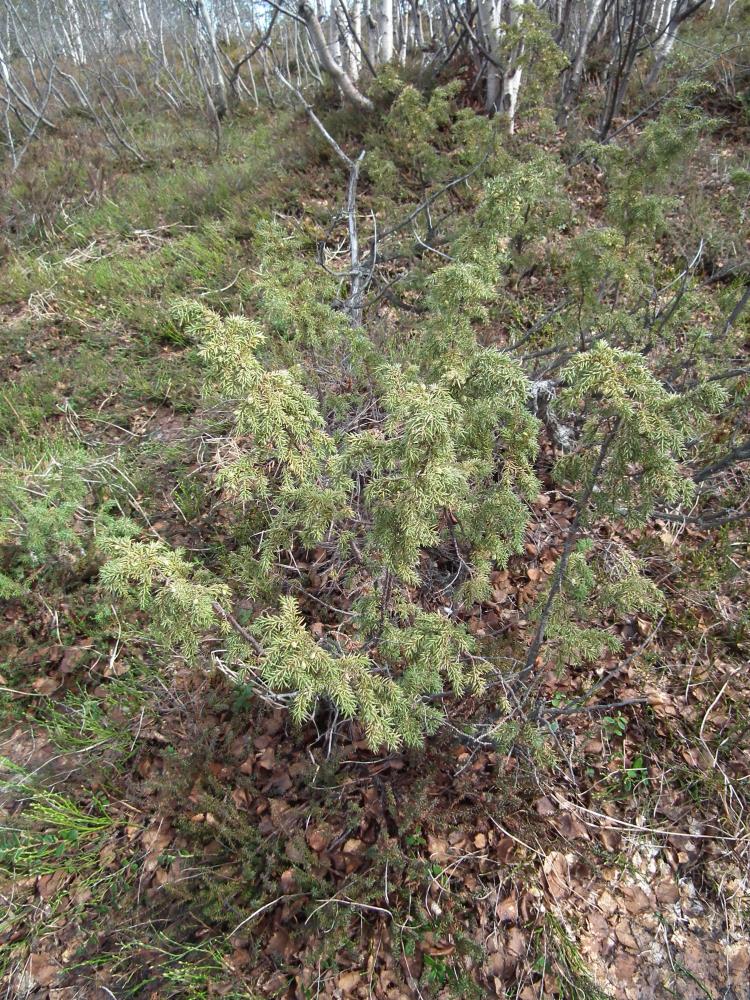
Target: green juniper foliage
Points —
{"points": [[41, 517], [649, 428], [47, 526], [594, 589], [425, 140], [639, 176], [404, 468], [180, 598], [437, 465], [423, 476], [517, 205], [294, 298]]}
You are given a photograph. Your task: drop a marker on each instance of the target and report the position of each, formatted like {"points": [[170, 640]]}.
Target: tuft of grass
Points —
{"points": [[83, 724], [576, 981], [51, 831]]}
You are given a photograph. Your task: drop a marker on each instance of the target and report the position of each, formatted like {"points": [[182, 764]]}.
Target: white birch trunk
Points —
{"points": [[333, 37], [76, 37], [512, 76], [218, 96], [403, 29], [145, 20], [325, 57], [356, 51], [384, 18], [573, 82], [667, 34], [490, 19]]}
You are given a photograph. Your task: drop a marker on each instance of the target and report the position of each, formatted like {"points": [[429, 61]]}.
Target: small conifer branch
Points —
{"points": [[737, 311], [724, 376], [355, 296], [569, 545], [707, 521], [443, 189], [242, 632], [739, 454], [540, 323], [580, 703], [605, 706]]}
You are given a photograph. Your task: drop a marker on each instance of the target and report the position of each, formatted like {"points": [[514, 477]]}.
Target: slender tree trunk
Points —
{"points": [[490, 18], [512, 76], [218, 90], [573, 79], [344, 82], [356, 46], [384, 19], [628, 37]]}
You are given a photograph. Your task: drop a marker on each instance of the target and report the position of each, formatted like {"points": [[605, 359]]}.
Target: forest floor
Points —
{"points": [[166, 836]]}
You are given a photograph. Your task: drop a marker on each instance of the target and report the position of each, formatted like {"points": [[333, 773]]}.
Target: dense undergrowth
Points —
{"points": [[252, 554]]}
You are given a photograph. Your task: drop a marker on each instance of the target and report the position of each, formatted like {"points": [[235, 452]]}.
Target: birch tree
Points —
{"points": [[328, 61], [384, 36], [490, 19], [512, 76], [572, 80]]}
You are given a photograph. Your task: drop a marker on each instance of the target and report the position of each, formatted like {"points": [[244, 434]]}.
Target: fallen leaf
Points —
{"points": [[625, 967], [281, 944], [43, 969], [555, 868], [545, 807], [636, 900], [287, 880], [45, 685], [667, 892], [516, 944], [611, 839], [570, 826], [438, 849], [738, 960], [506, 910], [317, 838], [624, 935]]}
